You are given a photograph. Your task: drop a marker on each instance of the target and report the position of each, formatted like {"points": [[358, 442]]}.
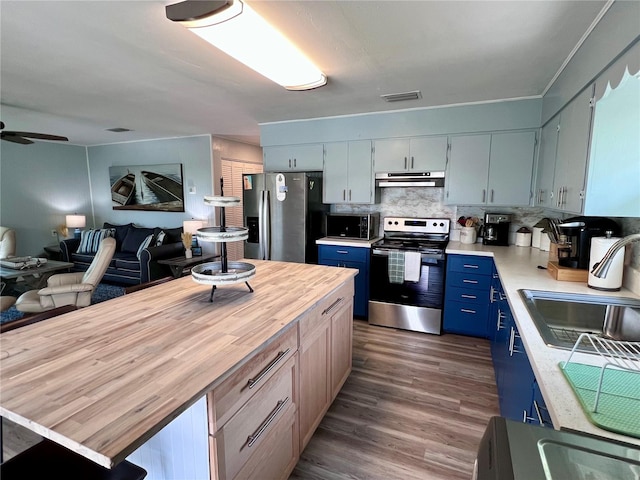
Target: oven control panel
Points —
{"points": [[417, 225]]}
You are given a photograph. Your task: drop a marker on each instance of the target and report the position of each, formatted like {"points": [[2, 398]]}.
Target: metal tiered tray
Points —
{"points": [[222, 272]]}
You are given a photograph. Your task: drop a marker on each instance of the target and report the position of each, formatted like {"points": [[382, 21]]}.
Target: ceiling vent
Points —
{"points": [[119, 130], [401, 97]]}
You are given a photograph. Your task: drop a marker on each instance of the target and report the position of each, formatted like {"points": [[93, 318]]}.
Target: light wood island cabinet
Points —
{"points": [[229, 384]]}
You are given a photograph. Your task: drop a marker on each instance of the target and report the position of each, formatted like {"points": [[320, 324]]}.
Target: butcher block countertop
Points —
{"points": [[103, 379]]}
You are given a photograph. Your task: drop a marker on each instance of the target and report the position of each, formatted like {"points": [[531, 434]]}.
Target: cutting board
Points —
{"points": [[567, 274]]}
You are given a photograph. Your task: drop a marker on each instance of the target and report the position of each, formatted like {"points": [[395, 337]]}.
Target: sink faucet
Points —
{"points": [[601, 268]]}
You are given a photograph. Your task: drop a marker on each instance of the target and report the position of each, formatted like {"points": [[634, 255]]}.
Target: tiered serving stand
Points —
{"points": [[222, 272]]}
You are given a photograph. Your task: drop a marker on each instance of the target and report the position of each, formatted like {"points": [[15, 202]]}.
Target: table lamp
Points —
{"points": [[76, 221], [192, 227]]}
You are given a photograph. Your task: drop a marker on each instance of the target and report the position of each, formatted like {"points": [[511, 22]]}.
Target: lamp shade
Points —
{"points": [[192, 226], [76, 221]]}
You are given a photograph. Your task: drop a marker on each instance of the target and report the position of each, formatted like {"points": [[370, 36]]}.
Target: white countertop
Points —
{"points": [[517, 267], [347, 242]]}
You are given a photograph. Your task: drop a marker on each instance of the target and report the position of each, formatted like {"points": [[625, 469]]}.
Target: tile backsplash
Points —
{"points": [[429, 202]]}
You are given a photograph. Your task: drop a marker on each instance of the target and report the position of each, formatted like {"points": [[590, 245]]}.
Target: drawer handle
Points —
{"points": [[251, 439], [466, 265], [466, 310], [473, 297], [332, 306], [469, 281], [254, 381], [342, 251], [538, 413]]}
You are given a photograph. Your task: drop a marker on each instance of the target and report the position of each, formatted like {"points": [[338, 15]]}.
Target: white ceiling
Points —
{"points": [[76, 68]]}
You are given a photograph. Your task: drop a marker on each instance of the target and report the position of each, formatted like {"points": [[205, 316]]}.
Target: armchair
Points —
{"points": [[70, 288], [7, 242]]}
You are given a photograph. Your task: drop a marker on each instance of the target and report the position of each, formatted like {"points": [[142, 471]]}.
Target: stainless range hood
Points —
{"points": [[413, 179]]}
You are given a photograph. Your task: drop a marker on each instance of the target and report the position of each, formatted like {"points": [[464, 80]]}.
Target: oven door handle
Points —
{"points": [[425, 257]]}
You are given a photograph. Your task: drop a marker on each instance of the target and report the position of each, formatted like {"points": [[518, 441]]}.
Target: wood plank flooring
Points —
{"points": [[414, 407]]}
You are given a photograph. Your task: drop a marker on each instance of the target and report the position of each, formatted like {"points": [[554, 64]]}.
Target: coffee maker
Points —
{"points": [[579, 232], [496, 229]]}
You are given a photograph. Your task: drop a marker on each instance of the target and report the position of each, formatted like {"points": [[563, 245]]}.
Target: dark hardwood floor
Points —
{"points": [[414, 407]]}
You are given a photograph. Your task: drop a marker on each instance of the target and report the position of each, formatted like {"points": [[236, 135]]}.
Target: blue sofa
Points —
{"points": [[125, 266]]}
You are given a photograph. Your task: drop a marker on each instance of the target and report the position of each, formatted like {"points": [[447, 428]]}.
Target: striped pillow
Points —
{"points": [[90, 239], [145, 243]]}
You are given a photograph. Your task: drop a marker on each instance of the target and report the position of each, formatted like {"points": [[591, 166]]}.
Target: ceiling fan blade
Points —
{"points": [[39, 136], [14, 138]]}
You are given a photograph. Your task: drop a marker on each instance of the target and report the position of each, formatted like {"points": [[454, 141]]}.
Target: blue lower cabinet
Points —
{"points": [[466, 318], [350, 257]]}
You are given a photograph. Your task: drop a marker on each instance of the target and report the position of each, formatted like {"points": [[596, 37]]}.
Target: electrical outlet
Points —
{"points": [[54, 232]]}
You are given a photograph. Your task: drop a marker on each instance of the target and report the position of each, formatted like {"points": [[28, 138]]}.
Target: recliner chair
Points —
{"points": [[70, 288]]}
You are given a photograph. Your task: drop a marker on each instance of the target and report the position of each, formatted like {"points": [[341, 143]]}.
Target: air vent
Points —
{"points": [[401, 97], [119, 130]]}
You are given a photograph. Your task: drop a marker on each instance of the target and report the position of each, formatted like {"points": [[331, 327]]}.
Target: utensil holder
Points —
{"points": [[468, 235]]}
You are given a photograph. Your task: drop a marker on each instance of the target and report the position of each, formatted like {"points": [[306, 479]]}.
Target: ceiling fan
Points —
{"points": [[20, 137]]}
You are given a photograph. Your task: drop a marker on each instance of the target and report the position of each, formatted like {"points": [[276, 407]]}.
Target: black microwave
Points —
{"points": [[352, 225]]}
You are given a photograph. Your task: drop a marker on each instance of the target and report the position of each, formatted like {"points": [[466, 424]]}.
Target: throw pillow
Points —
{"points": [[121, 232], [135, 236], [145, 243], [160, 238], [90, 239], [172, 235]]}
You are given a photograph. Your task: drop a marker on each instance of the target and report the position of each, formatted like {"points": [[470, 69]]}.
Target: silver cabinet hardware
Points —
{"points": [[254, 381], [491, 199], [467, 310], [469, 281], [343, 252], [467, 265], [251, 439], [473, 297], [332, 306], [484, 195]]}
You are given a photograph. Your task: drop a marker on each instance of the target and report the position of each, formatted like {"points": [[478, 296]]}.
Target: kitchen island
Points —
{"points": [[518, 269], [104, 379]]}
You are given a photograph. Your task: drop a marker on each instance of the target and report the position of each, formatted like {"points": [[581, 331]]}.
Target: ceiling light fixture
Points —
{"points": [[236, 29]]}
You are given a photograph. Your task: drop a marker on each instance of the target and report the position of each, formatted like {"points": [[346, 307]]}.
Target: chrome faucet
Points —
{"points": [[601, 268]]}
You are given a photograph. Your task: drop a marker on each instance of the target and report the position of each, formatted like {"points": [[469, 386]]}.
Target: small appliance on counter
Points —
{"points": [[496, 229], [352, 225], [579, 232]]}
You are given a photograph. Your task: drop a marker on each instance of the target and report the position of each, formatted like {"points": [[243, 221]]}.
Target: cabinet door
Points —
{"points": [[573, 146], [301, 158], [392, 155], [543, 194], [341, 345], [511, 168], [334, 182], [428, 154], [315, 381], [468, 170], [360, 172]]}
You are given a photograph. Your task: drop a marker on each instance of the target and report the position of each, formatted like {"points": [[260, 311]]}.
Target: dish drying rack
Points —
{"points": [[617, 354], [222, 272]]}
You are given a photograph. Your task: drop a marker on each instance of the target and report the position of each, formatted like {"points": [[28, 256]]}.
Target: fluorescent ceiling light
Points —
{"points": [[236, 29]]}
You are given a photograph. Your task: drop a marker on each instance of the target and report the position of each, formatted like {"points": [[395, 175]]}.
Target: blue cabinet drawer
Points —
{"points": [[467, 281], [338, 252], [466, 318], [470, 264], [467, 295]]}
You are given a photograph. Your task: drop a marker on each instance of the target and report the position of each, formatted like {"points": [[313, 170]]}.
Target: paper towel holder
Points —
{"points": [[601, 268]]}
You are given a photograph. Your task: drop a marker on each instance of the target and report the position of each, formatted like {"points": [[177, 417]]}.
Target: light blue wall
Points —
{"points": [[194, 153], [40, 184], [618, 30], [507, 115]]}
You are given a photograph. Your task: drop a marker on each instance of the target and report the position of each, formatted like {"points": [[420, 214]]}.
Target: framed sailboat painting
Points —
{"points": [[157, 188]]}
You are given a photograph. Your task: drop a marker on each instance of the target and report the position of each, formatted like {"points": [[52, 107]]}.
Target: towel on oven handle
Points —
{"points": [[412, 265], [395, 266]]}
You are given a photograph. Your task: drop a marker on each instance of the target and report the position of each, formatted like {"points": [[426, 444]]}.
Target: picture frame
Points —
{"points": [[196, 251], [157, 188]]}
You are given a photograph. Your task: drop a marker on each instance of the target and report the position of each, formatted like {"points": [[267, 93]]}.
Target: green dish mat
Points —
{"points": [[619, 404]]}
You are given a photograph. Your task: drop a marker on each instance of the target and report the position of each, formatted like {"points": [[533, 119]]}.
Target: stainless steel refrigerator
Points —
{"points": [[284, 214]]}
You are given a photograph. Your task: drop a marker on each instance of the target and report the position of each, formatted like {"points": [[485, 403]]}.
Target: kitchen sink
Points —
{"points": [[561, 317]]}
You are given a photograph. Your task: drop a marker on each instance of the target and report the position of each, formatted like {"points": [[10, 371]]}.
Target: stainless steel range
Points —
{"points": [[407, 274]]}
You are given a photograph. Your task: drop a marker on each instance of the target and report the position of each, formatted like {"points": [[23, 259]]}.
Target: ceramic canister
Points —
{"points": [[613, 280], [523, 239], [468, 235], [536, 235]]}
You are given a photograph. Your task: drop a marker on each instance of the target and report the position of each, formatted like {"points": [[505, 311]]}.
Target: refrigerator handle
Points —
{"points": [[261, 227], [265, 234]]}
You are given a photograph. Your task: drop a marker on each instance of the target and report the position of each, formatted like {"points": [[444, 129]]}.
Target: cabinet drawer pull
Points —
{"points": [[526, 418], [469, 281], [467, 265], [344, 252], [473, 297], [332, 306], [466, 310], [251, 439], [254, 381], [538, 414]]}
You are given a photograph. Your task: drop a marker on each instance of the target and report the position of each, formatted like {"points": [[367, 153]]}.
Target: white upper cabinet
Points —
{"points": [[348, 173], [294, 158], [492, 169], [572, 153], [547, 163], [416, 154]]}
